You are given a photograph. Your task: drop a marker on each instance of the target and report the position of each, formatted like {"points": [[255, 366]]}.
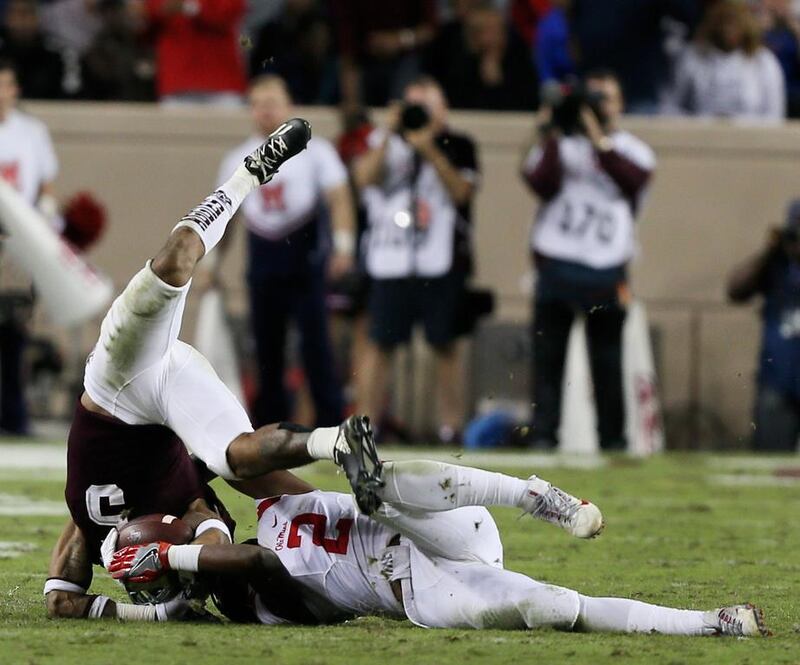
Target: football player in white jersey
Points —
{"points": [[430, 553]]}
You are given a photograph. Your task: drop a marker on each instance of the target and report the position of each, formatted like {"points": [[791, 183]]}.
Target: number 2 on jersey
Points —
{"points": [[319, 524]]}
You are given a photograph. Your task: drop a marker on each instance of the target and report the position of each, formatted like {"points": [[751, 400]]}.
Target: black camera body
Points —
{"points": [[567, 99], [414, 116]]}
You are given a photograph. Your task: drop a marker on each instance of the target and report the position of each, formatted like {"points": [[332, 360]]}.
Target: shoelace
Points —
{"points": [[277, 146], [729, 624], [556, 504]]}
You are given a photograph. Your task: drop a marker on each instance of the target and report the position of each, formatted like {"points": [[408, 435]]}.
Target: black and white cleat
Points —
{"points": [[283, 144], [356, 454]]}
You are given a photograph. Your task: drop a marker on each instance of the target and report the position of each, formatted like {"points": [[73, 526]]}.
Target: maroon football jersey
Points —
{"points": [[113, 467]]}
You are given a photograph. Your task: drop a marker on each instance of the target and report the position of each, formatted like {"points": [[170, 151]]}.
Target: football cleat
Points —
{"points": [[551, 504], [356, 454], [738, 621], [283, 144]]}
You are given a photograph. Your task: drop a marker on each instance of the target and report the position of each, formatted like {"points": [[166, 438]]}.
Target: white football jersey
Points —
{"points": [[291, 199], [27, 158], [589, 221], [331, 550]]}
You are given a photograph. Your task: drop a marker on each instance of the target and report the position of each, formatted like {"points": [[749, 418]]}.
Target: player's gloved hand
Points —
{"points": [[175, 609], [140, 563], [108, 547]]}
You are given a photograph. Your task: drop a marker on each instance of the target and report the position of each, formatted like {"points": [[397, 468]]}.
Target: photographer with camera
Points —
{"points": [[774, 272], [589, 176], [417, 183]]}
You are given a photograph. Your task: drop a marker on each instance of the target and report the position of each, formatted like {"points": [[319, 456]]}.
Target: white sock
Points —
{"points": [[210, 218], [633, 616], [322, 441], [438, 486]]}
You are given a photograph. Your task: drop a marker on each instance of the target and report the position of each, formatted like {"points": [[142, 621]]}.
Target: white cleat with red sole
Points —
{"points": [[546, 502]]}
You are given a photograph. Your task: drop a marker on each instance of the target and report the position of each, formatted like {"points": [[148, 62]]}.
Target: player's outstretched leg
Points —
{"points": [[175, 263], [286, 445], [472, 595], [433, 486], [633, 616]]}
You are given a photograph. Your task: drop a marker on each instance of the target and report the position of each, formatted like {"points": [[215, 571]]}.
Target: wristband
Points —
{"points": [[184, 557], [128, 612], [344, 242], [213, 523], [97, 607], [56, 584]]}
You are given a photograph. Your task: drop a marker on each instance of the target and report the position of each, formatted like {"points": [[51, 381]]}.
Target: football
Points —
{"points": [[154, 528]]}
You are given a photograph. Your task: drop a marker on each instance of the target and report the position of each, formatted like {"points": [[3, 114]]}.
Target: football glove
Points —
{"points": [[140, 563]]}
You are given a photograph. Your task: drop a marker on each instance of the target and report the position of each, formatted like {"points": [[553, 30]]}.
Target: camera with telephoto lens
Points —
{"points": [[567, 99], [414, 116]]}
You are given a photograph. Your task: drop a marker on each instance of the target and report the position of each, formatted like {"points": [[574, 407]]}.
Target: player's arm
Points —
{"points": [[69, 578], [272, 484], [207, 524], [144, 563]]}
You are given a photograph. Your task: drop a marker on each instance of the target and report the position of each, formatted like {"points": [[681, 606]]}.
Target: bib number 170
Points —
{"points": [[580, 219]]}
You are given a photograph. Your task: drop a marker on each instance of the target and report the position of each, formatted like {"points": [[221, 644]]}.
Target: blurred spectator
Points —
{"points": [[526, 16], [481, 63], [40, 70], [28, 162], [589, 176], [198, 58], [726, 72], [71, 25], [296, 45], [782, 37], [774, 273], [418, 181], [118, 65], [379, 46], [289, 223], [553, 50], [627, 36]]}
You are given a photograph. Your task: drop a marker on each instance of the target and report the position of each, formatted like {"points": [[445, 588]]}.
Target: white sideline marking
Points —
{"points": [[753, 480], [495, 458], [753, 462], [49, 461], [10, 549], [32, 456], [13, 505]]}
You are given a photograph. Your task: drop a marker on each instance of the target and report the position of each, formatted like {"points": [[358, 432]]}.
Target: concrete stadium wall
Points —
{"points": [[718, 188]]}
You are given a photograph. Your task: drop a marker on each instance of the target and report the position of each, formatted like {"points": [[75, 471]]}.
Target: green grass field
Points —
{"points": [[690, 531]]}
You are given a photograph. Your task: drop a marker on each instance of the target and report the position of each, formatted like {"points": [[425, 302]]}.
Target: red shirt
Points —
{"points": [[198, 52]]}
